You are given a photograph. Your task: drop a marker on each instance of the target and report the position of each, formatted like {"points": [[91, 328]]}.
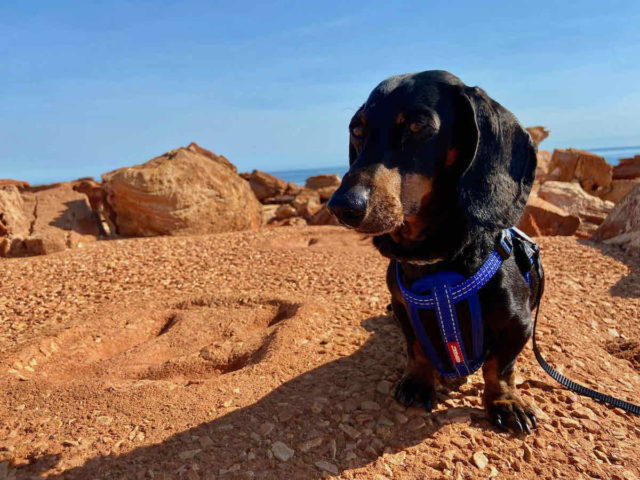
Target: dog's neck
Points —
{"points": [[470, 254]]}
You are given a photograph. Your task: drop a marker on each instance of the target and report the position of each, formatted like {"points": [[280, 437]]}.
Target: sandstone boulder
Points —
{"points": [[19, 184], [45, 220], [322, 181], [538, 133], [307, 202], [293, 189], [542, 167], [326, 192], [627, 168], [323, 217], [184, 191], [543, 218], [269, 213], [592, 171], [285, 211], [622, 226], [573, 199], [265, 185], [619, 189]]}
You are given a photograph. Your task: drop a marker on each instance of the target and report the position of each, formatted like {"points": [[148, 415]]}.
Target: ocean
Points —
{"points": [[611, 155]]}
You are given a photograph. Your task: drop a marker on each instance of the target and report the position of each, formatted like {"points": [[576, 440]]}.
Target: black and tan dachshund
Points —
{"points": [[437, 171]]}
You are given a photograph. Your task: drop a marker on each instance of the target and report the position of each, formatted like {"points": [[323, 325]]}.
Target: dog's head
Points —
{"points": [[429, 154]]}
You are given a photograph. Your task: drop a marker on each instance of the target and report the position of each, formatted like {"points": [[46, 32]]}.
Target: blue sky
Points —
{"points": [[86, 87]]}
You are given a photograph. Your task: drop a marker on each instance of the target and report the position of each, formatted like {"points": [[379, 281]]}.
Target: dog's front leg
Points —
{"points": [[502, 401], [416, 387]]}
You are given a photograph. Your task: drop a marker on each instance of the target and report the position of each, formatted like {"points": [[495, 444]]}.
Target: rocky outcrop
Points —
{"points": [[46, 220], [544, 218], [322, 181], [538, 133], [185, 191], [289, 204], [265, 185], [574, 200], [19, 184], [590, 170], [542, 167], [628, 168], [619, 189], [622, 226]]}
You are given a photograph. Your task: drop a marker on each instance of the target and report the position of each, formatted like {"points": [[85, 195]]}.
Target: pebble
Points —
{"points": [[401, 418], [480, 459], [528, 453], [281, 451], [310, 444], [327, 467], [351, 432], [370, 406], [266, 428], [384, 387]]}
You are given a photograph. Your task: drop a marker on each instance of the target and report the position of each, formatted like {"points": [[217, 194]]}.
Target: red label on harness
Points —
{"points": [[454, 352]]}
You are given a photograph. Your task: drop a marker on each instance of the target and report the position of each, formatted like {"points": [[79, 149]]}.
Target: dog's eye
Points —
{"points": [[357, 131], [415, 127]]}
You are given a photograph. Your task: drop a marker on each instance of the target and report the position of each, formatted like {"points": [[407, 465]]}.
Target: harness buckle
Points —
{"points": [[505, 246]]}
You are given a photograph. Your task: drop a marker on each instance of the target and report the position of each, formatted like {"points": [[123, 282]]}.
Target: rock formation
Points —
{"points": [[570, 197], [590, 170], [538, 133], [185, 191], [41, 220], [622, 226]]}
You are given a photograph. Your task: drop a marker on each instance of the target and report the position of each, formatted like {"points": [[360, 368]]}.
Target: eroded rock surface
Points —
{"points": [[184, 191]]}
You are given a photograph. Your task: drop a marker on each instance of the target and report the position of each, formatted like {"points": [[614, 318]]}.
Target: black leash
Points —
{"points": [[571, 385]]}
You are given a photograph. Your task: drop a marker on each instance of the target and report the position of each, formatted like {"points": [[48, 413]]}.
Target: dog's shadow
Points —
{"points": [[322, 407]]}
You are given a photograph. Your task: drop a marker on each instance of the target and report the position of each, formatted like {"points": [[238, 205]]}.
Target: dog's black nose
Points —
{"points": [[349, 206]]}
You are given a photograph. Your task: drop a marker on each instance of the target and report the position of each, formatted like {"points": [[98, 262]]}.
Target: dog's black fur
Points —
{"points": [[437, 170]]}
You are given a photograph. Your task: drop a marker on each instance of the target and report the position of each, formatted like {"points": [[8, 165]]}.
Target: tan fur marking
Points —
{"points": [[385, 207], [495, 385], [452, 156], [399, 118]]}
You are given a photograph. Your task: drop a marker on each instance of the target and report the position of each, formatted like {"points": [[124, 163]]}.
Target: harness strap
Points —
{"points": [[445, 290]]}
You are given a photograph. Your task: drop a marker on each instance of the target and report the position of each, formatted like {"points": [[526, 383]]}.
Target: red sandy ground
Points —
{"points": [[191, 357]]}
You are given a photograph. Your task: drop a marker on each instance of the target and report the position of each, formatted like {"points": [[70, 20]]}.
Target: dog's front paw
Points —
{"points": [[509, 412], [415, 393]]}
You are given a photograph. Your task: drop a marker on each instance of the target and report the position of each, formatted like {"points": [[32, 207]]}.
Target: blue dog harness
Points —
{"points": [[445, 291]]}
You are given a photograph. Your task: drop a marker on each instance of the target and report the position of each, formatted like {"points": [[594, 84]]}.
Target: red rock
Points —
{"points": [[573, 199], [326, 192], [181, 192], [47, 220], [307, 202], [592, 171], [627, 168], [19, 184], [321, 181], [265, 185], [293, 189], [285, 211], [542, 168], [538, 133], [543, 218], [619, 189], [323, 217], [622, 226]]}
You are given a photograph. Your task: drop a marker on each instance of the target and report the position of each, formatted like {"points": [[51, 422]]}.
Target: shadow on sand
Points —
{"points": [[629, 285], [324, 403]]}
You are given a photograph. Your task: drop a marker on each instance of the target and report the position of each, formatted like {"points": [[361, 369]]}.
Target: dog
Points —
{"points": [[437, 171]]}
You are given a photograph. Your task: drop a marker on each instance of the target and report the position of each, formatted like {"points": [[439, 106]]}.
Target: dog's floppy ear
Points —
{"points": [[501, 156]]}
